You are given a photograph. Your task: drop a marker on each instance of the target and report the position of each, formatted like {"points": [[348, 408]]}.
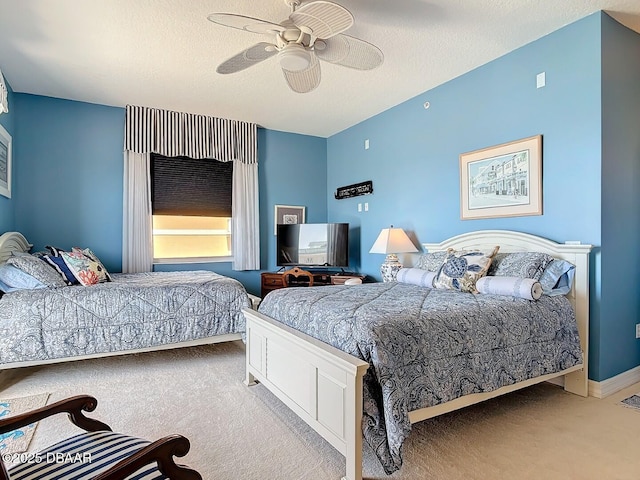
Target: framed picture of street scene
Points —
{"points": [[502, 181]]}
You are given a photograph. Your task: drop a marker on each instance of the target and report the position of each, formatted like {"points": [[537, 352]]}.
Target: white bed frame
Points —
{"points": [[323, 385], [11, 242]]}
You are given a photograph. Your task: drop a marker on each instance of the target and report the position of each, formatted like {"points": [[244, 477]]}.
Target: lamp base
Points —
{"points": [[389, 269]]}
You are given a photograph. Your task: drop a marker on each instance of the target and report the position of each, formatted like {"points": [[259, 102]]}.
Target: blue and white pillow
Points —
{"points": [[416, 276], [38, 269], [557, 278], [520, 264], [55, 260], [462, 269], [13, 279], [431, 261]]}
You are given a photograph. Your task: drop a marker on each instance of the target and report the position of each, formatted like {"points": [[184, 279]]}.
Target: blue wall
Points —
{"points": [[413, 157], [619, 349], [293, 171], [69, 167], [7, 205]]}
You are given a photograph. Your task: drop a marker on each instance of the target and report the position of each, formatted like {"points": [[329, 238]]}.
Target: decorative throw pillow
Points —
{"points": [[431, 261], [518, 287], [520, 264], [55, 260], [416, 276], [87, 271], [12, 278], [37, 269], [57, 263], [462, 269], [55, 251], [87, 252], [557, 278]]}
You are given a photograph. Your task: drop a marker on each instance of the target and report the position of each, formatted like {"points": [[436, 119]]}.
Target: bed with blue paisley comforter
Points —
{"points": [[134, 312], [429, 346]]}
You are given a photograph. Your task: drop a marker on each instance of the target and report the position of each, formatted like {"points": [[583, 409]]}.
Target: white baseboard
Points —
{"points": [[610, 385], [614, 384]]}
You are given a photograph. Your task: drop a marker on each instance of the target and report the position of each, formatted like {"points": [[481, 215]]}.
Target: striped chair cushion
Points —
{"points": [[82, 457]]}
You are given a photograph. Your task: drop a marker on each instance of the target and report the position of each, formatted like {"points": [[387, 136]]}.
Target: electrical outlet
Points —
{"points": [[637, 330], [366, 206], [359, 207]]}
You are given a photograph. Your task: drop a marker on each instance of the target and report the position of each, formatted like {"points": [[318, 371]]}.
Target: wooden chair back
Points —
{"points": [[297, 273]]}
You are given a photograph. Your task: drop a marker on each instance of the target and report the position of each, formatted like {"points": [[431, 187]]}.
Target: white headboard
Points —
{"points": [[12, 242], [510, 241]]}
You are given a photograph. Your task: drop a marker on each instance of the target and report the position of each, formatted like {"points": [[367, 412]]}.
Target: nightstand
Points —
{"points": [[270, 281]]}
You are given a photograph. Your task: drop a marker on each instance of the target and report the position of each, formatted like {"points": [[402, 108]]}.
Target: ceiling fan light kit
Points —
{"points": [[312, 32], [294, 57]]}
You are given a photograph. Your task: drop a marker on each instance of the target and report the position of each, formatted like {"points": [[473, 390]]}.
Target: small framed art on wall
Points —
{"points": [[286, 215]]}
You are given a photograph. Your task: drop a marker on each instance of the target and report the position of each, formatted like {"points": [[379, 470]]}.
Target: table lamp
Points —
{"points": [[390, 242]]}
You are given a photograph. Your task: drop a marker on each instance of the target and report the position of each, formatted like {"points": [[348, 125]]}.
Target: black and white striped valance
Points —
{"points": [[176, 134]]}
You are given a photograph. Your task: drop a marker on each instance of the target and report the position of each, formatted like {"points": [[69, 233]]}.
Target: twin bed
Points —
{"points": [[370, 360], [133, 313]]}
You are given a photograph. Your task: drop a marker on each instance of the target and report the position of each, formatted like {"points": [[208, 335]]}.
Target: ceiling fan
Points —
{"points": [[312, 32]]}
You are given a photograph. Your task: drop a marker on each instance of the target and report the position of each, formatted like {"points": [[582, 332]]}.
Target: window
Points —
{"points": [[191, 207]]}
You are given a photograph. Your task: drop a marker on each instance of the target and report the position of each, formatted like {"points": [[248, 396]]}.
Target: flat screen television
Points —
{"points": [[313, 245]]}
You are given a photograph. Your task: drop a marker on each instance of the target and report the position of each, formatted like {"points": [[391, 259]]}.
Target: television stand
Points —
{"points": [[273, 280]]}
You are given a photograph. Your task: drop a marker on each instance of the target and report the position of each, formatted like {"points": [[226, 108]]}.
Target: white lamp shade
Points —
{"points": [[393, 240]]}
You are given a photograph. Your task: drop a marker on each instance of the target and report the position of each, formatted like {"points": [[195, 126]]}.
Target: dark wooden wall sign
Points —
{"points": [[364, 188]]}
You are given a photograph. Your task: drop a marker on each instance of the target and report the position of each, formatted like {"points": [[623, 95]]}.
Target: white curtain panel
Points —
{"points": [[137, 243], [246, 225]]}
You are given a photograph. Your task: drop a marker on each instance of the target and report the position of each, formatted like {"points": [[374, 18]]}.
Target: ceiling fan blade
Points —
{"points": [[248, 24], [304, 81], [247, 58], [349, 52], [325, 19]]}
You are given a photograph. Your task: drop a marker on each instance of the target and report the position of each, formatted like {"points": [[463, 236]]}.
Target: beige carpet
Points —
{"points": [[245, 433]]}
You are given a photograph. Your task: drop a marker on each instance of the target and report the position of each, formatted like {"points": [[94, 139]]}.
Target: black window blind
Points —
{"points": [[190, 187]]}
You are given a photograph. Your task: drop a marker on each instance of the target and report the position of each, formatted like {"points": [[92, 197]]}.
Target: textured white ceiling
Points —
{"points": [[163, 53]]}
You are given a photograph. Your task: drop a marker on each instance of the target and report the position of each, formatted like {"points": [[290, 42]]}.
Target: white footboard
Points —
{"points": [[321, 384]]}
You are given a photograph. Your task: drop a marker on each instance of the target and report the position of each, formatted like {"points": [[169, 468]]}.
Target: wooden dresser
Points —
{"points": [[273, 280]]}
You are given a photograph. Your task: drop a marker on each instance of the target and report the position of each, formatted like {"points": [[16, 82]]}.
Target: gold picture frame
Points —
{"points": [[287, 214], [502, 181]]}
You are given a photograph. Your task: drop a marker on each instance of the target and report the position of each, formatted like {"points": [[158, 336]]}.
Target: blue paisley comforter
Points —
{"points": [[134, 311], [428, 346]]}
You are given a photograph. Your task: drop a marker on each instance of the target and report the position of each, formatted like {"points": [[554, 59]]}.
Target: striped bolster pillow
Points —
{"points": [[416, 276], [527, 288]]}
